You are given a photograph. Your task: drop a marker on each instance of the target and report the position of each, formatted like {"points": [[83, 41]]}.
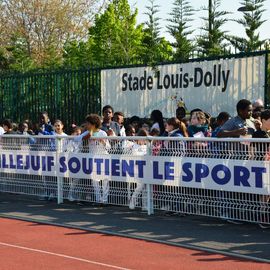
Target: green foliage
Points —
{"points": [[3, 60], [212, 41], [78, 54], [155, 48], [115, 37], [20, 59], [179, 28], [251, 21]]}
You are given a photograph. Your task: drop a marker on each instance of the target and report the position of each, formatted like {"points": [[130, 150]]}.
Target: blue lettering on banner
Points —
{"points": [[77, 165], [44, 163], [258, 176], [98, 161], [235, 176], [115, 167], [12, 165], [50, 161], [87, 166], [169, 170], [35, 163], [222, 175], [5, 165], [241, 176], [27, 163], [128, 168], [141, 164], [63, 166], [19, 162], [156, 173], [187, 170], [201, 171], [107, 167], [220, 180]]}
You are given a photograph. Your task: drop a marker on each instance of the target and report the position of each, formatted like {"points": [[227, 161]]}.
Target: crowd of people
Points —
{"points": [[251, 121]]}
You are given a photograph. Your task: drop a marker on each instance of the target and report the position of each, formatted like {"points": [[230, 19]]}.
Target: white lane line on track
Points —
{"points": [[64, 256]]}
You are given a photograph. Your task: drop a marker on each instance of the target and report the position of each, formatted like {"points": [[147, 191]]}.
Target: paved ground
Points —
{"points": [[189, 231]]}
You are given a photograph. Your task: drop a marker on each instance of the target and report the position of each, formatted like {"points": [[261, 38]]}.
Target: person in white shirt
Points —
{"points": [[118, 117], [139, 148], [2, 131], [98, 146]]}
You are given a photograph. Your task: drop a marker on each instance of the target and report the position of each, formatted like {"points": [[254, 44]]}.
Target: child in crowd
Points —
{"points": [[136, 122], [198, 125], [118, 117], [8, 127], [108, 125], [173, 129], [98, 147], [128, 144], [45, 127], [59, 128], [130, 131], [138, 149], [76, 131], [222, 118], [158, 122], [146, 127]]}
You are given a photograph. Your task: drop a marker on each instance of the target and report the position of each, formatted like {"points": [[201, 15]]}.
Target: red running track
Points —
{"points": [[32, 246]]}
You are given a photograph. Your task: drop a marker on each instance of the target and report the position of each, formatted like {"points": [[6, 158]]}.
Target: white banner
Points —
{"points": [[213, 86], [214, 174]]}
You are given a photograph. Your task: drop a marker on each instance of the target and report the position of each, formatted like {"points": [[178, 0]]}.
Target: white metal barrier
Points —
{"points": [[226, 178]]}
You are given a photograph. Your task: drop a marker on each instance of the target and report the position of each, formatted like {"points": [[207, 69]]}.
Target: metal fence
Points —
{"points": [[66, 94], [65, 168]]}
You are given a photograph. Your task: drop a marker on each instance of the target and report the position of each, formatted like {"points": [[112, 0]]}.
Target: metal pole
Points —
{"points": [[210, 7]]}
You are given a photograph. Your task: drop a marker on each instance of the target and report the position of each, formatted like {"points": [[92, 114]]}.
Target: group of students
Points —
{"points": [[251, 121]]}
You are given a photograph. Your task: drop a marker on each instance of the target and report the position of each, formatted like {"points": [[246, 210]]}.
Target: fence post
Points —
{"points": [[149, 187], [59, 179], [150, 209]]}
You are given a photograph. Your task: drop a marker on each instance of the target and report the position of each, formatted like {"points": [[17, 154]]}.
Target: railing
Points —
{"points": [[226, 178], [25, 95]]}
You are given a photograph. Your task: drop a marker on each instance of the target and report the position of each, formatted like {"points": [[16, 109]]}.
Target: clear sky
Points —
{"points": [[228, 5]]}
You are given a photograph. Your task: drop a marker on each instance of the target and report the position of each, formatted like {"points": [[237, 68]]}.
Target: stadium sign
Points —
{"points": [[212, 85]]}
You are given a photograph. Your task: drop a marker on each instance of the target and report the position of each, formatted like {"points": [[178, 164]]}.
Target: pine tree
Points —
{"points": [[212, 41], [251, 21], [179, 28], [155, 48]]}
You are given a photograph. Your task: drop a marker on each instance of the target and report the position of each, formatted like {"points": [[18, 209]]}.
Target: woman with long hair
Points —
{"points": [[158, 122]]}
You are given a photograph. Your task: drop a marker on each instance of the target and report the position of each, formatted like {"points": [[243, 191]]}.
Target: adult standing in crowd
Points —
{"points": [[240, 125], [258, 105]]}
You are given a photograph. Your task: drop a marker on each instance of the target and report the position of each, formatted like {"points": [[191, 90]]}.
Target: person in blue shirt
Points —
{"points": [[45, 126], [173, 148]]}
